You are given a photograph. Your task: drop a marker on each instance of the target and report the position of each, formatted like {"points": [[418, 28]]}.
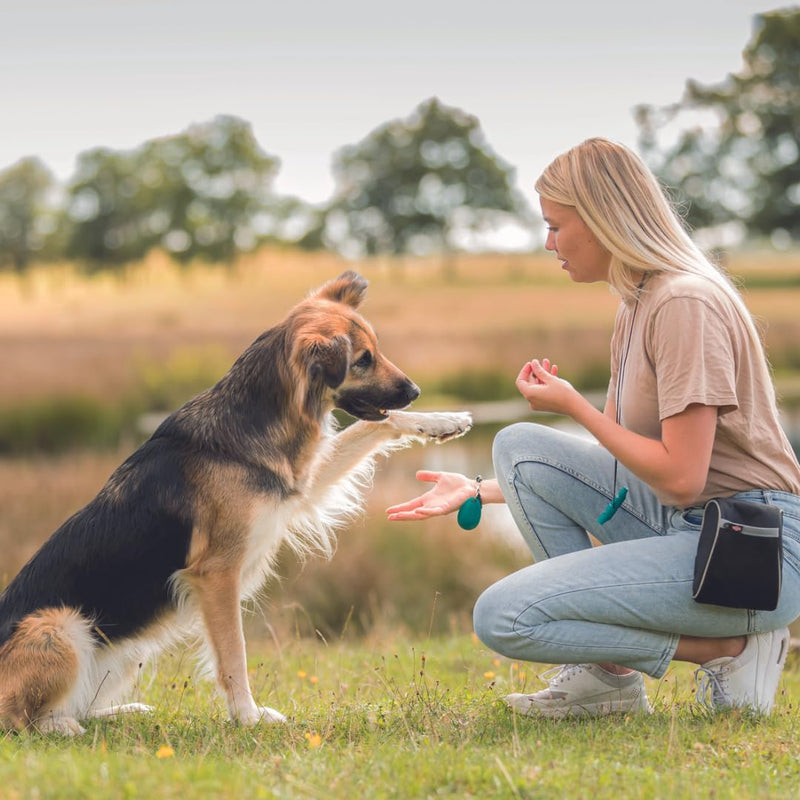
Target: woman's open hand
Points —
{"points": [[449, 492]]}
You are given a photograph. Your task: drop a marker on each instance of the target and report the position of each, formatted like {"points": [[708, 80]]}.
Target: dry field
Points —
{"points": [[60, 333], [66, 334]]}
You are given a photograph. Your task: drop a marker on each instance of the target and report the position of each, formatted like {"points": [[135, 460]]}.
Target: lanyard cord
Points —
{"points": [[619, 497]]}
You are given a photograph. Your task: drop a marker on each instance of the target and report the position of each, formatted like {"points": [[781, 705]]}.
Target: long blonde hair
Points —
{"points": [[622, 203]]}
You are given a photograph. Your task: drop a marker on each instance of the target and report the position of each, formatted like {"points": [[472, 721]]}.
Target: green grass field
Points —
{"points": [[407, 718]]}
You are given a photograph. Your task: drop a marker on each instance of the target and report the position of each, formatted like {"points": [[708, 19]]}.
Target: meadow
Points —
{"points": [[399, 717], [370, 655]]}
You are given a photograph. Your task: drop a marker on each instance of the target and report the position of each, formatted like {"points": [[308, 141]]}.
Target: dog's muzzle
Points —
{"points": [[371, 404]]}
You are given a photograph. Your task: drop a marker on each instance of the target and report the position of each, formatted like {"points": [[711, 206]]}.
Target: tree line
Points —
{"points": [[729, 153], [208, 192]]}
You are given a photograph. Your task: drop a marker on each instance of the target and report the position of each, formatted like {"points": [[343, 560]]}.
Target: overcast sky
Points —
{"points": [[314, 76]]}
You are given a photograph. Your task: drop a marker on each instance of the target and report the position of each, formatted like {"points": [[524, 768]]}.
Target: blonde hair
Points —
{"points": [[624, 206]]}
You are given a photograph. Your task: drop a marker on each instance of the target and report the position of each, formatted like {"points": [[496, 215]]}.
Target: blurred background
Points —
{"points": [[175, 176]]}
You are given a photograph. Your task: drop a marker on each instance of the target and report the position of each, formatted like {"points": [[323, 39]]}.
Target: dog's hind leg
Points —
{"points": [[41, 667], [220, 605]]}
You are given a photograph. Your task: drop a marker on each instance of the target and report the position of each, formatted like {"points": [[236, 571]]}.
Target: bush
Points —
{"points": [[165, 386], [475, 385], [58, 424], [422, 578]]}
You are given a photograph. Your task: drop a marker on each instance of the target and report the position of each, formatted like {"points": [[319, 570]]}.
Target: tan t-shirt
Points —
{"points": [[686, 344]]}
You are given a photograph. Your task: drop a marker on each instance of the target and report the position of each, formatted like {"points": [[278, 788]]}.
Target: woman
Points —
{"points": [[690, 415]]}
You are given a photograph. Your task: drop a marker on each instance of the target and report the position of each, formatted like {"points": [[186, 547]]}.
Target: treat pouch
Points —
{"points": [[739, 560]]}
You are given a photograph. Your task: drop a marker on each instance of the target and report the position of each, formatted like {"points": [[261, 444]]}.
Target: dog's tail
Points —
{"points": [[41, 664]]}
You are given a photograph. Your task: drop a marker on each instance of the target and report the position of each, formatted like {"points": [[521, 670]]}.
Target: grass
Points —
{"points": [[407, 718]]}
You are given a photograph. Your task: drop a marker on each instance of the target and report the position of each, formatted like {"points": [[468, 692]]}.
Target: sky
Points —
{"points": [[314, 76]]}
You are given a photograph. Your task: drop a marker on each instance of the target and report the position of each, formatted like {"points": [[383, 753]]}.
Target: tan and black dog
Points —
{"points": [[189, 526]]}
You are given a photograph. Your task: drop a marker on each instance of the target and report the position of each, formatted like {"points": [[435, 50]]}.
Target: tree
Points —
{"points": [[412, 183], [740, 160], [205, 192], [24, 223], [101, 215]]}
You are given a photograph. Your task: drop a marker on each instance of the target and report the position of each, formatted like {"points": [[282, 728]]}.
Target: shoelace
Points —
{"points": [[711, 682], [561, 673]]}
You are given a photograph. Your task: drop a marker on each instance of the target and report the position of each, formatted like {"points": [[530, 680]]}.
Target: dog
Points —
{"points": [[189, 526]]}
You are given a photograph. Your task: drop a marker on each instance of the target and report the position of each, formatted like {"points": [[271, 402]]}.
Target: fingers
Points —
{"points": [[418, 513], [525, 372], [410, 509], [428, 475], [552, 369], [542, 370], [544, 367], [409, 505], [537, 370]]}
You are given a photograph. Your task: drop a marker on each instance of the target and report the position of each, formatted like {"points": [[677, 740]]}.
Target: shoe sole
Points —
{"points": [[600, 709]]}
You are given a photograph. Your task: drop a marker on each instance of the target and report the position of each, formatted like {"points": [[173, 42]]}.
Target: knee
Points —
{"points": [[522, 439], [489, 622], [504, 440]]}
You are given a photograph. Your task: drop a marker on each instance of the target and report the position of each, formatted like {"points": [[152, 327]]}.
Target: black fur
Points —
{"points": [[113, 559]]}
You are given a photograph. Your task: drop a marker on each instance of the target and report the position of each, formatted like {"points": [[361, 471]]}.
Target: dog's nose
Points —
{"points": [[413, 391]]}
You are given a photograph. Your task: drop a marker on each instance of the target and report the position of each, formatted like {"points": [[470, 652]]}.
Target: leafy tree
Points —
{"points": [[205, 192], [743, 164], [412, 183], [101, 209], [23, 217]]}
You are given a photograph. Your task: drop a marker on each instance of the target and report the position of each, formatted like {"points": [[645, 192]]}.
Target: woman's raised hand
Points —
{"points": [[449, 492], [539, 384]]}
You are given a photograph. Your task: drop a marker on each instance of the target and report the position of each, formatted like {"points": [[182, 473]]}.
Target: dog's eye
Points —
{"points": [[364, 360]]}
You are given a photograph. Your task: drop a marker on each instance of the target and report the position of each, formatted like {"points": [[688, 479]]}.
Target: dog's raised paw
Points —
{"points": [[436, 426]]}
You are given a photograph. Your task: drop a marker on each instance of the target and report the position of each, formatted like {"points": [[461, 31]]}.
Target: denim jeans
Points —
{"points": [[627, 602]]}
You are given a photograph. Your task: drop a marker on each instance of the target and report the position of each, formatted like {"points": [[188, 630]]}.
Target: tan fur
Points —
{"points": [[38, 665]]}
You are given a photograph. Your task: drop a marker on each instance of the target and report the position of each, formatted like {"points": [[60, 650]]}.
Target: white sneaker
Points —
{"points": [[749, 680], [578, 689]]}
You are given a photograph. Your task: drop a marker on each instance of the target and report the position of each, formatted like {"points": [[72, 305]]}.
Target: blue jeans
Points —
{"points": [[627, 602]]}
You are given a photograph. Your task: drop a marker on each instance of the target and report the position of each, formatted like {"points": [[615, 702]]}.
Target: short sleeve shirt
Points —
{"points": [[683, 342]]}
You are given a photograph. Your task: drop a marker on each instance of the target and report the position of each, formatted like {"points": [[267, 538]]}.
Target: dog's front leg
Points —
{"points": [[218, 593], [347, 449], [364, 438]]}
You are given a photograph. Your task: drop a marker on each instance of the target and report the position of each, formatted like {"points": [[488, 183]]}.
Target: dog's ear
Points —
{"points": [[329, 360], [349, 288]]}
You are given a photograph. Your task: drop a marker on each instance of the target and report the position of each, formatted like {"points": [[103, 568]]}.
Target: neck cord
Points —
{"points": [[619, 497]]}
